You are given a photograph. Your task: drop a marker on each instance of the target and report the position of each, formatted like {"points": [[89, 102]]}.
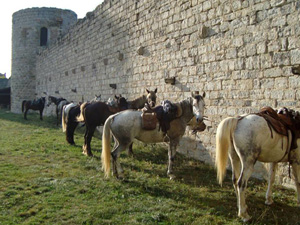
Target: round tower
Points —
{"points": [[33, 30]]}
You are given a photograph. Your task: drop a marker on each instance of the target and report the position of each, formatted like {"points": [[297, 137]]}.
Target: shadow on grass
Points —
{"points": [[33, 119], [195, 175]]}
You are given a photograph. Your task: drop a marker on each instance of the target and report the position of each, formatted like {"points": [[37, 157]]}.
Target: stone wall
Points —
{"points": [[239, 52]]}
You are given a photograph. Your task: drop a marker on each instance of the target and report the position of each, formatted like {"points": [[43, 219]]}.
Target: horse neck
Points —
{"points": [[187, 110], [139, 102], [53, 99]]}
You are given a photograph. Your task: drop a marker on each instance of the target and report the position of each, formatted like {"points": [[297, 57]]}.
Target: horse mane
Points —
{"points": [[184, 104]]}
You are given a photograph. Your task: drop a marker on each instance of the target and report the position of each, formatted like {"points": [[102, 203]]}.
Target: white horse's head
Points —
{"points": [[198, 107], [111, 102]]}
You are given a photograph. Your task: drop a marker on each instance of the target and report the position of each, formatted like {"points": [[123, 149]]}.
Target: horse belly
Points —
{"points": [[275, 150], [150, 136]]}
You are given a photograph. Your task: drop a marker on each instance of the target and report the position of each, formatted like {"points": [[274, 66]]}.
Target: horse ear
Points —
{"points": [[203, 95], [147, 90], [116, 97], [155, 91]]}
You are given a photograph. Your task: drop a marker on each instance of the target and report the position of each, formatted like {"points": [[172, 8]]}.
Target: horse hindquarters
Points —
{"points": [[223, 143]]}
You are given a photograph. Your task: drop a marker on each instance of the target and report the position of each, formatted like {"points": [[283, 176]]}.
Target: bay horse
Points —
{"points": [[69, 118], [38, 104], [59, 103], [93, 115], [251, 138], [127, 126], [139, 102]]}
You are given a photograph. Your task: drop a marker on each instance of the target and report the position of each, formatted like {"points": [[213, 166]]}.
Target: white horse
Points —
{"points": [[248, 139], [127, 126]]}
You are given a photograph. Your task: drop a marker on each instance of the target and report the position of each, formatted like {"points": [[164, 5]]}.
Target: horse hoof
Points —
{"points": [[172, 176], [269, 202], [87, 154], [245, 218]]}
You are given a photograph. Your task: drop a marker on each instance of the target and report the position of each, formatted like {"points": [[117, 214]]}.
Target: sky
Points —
{"points": [[7, 8]]}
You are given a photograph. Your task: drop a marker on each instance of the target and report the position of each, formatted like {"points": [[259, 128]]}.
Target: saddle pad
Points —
{"points": [[149, 121]]}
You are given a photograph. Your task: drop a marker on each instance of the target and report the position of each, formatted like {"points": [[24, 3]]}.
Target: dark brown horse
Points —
{"points": [[139, 102], [69, 118], [95, 114], [38, 104]]}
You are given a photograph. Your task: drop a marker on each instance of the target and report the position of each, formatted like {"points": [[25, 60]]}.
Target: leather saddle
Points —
{"points": [[149, 120], [281, 122]]}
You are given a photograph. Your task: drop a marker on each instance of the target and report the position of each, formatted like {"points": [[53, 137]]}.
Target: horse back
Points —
{"points": [[96, 113]]}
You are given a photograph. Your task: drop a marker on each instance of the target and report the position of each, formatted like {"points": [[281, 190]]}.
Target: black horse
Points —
{"points": [[95, 114], [59, 102], [38, 104]]}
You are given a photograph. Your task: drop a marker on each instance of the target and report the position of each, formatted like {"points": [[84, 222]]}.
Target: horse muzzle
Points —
{"points": [[199, 118], [152, 104]]}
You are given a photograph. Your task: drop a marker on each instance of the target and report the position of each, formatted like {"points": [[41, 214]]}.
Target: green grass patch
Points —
{"points": [[43, 180]]}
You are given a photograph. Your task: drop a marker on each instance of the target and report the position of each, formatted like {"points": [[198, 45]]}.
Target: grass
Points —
{"points": [[43, 180]]}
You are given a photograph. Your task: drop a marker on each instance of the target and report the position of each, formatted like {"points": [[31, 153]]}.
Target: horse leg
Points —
{"points": [[87, 140], [272, 171], [130, 152], [25, 114], [171, 154], [236, 168], [117, 169], [57, 116], [90, 134], [247, 169], [296, 172], [41, 114], [84, 147], [70, 132]]}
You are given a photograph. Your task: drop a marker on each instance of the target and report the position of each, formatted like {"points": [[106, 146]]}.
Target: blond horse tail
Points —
{"points": [[80, 118], [106, 149], [223, 143], [64, 118]]}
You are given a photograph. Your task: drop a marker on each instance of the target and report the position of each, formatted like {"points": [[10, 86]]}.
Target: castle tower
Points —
{"points": [[33, 30]]}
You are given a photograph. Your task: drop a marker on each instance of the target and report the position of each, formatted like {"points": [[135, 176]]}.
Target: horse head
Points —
{"points": [[151, 97], [111, 102], [121, 102], [198, 104], [51, 100], [96, 99], [43, 100]]}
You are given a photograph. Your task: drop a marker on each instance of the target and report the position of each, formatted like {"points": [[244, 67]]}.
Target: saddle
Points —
{"points": [[281, 122], [163, 115]]}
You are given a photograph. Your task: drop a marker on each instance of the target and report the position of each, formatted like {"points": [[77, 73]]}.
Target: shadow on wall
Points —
{"points": [[193, 147]]}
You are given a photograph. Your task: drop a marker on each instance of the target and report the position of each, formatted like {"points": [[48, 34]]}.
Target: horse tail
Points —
{"points": [[64, 117], [106, 149], [23, 105], [223, 143], [80, 118]]}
